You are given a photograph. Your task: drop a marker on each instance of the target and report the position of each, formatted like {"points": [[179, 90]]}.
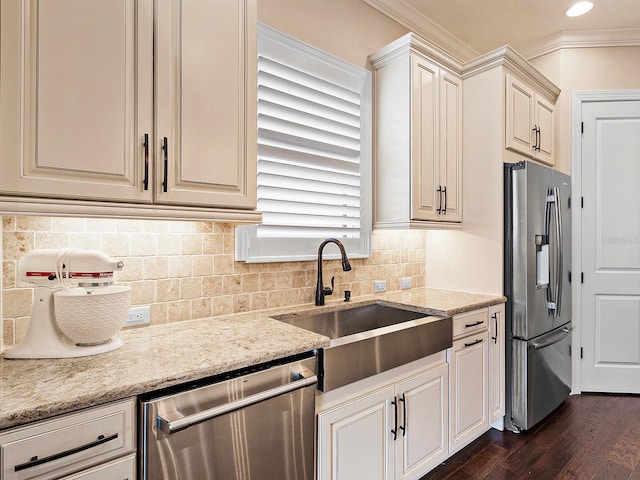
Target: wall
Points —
{"points": [[186, 270], [579, 69], [349, 29]]}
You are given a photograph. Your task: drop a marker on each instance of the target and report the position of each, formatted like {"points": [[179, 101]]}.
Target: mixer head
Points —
{"points": [[63, 267]]}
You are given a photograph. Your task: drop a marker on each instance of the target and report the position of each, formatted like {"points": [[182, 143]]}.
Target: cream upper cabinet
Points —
{"points": [[112, 102], [418, 125], [206, 110], [529, 121], [76, 98]]}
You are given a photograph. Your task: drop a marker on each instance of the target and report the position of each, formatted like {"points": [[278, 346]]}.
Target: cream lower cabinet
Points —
{"points": [[133, 101], [496, 366], [468, 378], [395, 432], [468, 416], [97, 443]]}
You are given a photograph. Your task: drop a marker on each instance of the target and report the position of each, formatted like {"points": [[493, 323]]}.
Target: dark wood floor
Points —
{"points": [[588, 437]]}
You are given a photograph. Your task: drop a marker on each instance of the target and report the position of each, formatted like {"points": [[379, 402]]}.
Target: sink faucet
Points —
{"points": [[321, 291]]}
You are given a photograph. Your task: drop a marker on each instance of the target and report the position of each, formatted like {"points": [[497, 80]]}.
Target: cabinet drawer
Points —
{"points": [[120, 469], [55, 447], [469, 322]]}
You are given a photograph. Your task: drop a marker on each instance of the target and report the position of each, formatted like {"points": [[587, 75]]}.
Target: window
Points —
{"points": [[314, 154]]}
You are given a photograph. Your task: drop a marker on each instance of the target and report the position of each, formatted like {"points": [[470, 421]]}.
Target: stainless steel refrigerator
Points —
{"points": [[537, 284]]}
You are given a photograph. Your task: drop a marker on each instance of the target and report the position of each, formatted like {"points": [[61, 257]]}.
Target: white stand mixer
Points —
{"points": [[54, 271]]}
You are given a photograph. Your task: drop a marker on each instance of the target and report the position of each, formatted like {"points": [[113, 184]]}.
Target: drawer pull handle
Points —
{"points": [[35, 461], [473, 343], [469, 325]]}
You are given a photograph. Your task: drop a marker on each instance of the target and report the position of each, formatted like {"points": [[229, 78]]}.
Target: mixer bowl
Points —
{"points": [[91, 316]]}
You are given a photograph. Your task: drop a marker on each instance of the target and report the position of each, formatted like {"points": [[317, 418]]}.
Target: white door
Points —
{"points": [[611, 247]]}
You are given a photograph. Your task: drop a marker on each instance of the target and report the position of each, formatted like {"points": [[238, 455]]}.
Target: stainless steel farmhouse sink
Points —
{"points": [[370, 338]]}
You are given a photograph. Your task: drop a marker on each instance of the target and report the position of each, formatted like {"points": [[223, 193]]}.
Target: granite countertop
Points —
{"points": [[165, 355]]}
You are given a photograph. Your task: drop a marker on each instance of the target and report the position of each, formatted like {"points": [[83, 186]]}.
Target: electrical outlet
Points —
{"points": [[379, 286], [139, 316], [405, 282]]}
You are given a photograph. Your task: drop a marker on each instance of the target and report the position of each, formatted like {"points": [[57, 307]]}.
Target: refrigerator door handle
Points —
{"points": [[557, 337], [554, 293], [551, 290], [559, 248]]}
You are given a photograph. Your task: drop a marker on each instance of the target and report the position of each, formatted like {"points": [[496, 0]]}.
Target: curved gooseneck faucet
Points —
{"points": [[321, 291]]}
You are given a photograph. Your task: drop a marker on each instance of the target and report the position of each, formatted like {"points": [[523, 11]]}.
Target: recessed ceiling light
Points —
{"points": [[579, 8]]}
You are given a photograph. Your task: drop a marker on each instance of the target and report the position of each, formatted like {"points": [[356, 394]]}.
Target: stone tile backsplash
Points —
{"points": [[187, 270]]}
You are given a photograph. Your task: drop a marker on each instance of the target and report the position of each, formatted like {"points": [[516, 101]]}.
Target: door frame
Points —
{"points": [[578, 98]]}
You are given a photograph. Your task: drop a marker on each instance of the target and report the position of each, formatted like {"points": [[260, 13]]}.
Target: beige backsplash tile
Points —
{"points": [[187, 270]]}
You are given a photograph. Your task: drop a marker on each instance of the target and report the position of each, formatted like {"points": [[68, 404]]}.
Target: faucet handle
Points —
{"points": [[327, 290]]}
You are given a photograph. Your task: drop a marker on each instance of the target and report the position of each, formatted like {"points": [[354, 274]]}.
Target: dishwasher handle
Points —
{"points": [[307, 378]]}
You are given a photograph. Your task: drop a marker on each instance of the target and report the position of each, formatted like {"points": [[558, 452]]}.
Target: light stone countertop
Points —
{"points": [[165, 355]]}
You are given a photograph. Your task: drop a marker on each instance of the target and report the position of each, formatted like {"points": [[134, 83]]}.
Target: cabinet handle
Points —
{"points": [[495, 319], [469, 325], [35, 461], [539, 142], [538, 138], [165, 150], [404, 416], [145, 182], [394, 402], [473, 343], [439, 192], [444, 210]]}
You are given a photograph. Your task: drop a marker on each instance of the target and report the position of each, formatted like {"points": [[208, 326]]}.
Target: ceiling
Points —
{"points": [[484, 25]]}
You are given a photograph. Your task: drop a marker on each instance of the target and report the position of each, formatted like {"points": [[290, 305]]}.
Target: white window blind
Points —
{"points": [[314, 153]]}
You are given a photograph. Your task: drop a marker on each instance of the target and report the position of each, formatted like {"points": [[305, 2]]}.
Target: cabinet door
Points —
{"points": [[544, 120], [496, 364], [423, 412], [206, 104], [425, 179], [468, 412], [120, 469], [451, 147], [76, 98], [355, 440], [519, 134]]}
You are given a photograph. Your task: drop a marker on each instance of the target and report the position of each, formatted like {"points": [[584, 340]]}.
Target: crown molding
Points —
{"points": [[413, 42], [581, 39], [429, 30], [510, 59]]}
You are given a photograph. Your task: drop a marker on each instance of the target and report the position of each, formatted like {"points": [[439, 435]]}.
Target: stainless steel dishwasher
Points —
{"points": [[255, 424]]}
